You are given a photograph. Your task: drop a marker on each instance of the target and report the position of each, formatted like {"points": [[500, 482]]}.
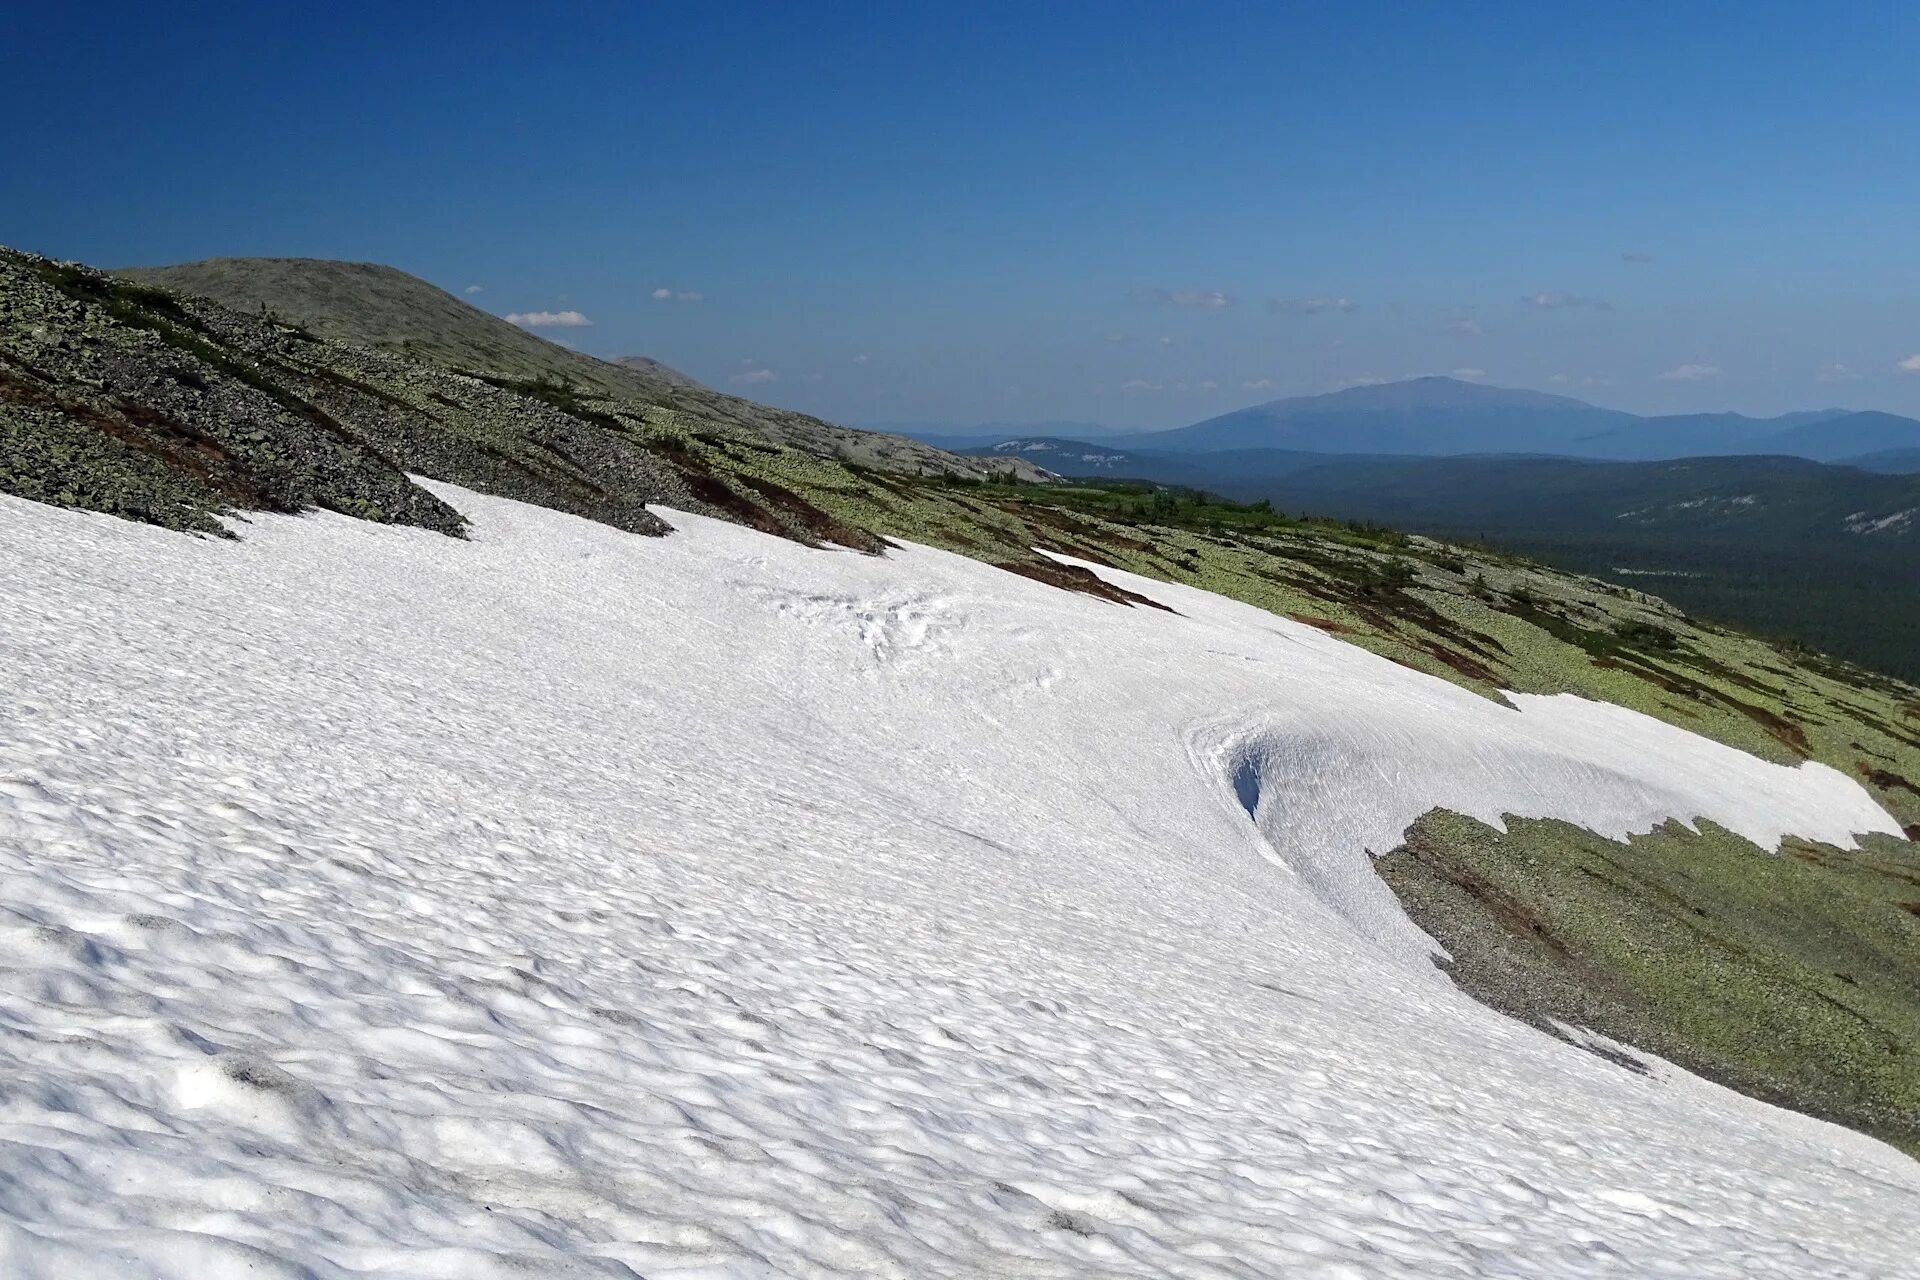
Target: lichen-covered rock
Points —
{"points": [[120, 396]]}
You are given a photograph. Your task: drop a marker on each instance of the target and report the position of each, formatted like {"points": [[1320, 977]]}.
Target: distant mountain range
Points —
{"points": [[1445, 416], [1892, 461]]}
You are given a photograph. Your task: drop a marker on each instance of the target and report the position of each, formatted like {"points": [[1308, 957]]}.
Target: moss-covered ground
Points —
{"points": [[1793, 977]]}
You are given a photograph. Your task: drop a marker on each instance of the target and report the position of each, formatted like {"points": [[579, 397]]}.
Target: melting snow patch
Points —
{"points": [[561, 902]]}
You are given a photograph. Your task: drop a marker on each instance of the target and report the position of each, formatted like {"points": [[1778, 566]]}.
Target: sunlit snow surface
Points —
{"points": [[569, 903]]}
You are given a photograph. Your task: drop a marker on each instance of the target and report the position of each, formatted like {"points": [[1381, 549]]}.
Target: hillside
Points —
{"points": [[593, 901], [129, 399], [1847, 436], [1693, 435], [1891, 461], [1824, 554], [658, 372], [1078, 458], [1758, 501], [394, 312], [1791, 547]]}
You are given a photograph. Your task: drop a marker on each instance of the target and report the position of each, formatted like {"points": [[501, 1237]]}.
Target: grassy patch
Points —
{"points": [[1793, 977]]}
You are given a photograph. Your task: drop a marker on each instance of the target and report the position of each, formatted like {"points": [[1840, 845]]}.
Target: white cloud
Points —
{"points": [[1364, 380], [548, 319], [1691, 373], [1910, 365], [1140, 384], [1838, 373], [1554, 300], [1257, 384], [668, 295], [1208, 385], [1199, 299], [472, 289], [1116, 337], [1464, 325], [755, 377], [1470, 375], [1636, 257], [1566, 380], [1311, 306], [862, 359]]}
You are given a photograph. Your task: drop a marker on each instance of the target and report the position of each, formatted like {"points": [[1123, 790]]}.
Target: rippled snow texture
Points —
{"points": [[571, 903]]}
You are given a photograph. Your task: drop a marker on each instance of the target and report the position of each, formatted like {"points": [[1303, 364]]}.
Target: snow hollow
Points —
{"points": [[563, 902]]}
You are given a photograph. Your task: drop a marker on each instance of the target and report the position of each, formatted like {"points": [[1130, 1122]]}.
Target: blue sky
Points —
{"points": [[1139, 215]]}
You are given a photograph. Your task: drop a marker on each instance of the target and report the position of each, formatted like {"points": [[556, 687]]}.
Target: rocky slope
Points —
{"points": [[377, 306]]}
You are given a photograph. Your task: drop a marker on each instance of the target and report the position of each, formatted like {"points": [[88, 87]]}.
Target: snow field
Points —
{"points": [[569, 903]]}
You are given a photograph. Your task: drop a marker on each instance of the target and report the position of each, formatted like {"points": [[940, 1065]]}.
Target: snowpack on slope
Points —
{"points": [[563, 902]]}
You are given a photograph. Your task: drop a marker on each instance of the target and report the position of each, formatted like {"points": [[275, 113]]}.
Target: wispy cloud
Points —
{"points": [[664, 294], [548, 319], [1133, 386], [1311, 306], [1196, 299], [1554, 300], [1910, 365], [1568, 380], [1838, 373], [1691, 373], [1257, 384], [1364, 380], [472, 289], [1636, 257], [1470, 375], [1463, 324], [863, 359], [755, 377]]}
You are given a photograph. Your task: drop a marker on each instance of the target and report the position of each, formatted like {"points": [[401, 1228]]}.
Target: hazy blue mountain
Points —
{"points": [[1890, 461], [1847, 436], [1422, 416], [1694, 435], [1444, 417]]}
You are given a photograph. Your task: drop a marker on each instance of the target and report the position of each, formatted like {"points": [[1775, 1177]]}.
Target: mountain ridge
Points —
{"points": [[383, 307], [1442, 416]]}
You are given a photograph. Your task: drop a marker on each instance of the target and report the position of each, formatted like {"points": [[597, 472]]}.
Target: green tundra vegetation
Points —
{"points": [[1788, 975], [1793, 977]]}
